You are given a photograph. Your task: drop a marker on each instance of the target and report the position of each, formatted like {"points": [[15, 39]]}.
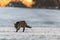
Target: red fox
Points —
{"points": [[20, 24]]}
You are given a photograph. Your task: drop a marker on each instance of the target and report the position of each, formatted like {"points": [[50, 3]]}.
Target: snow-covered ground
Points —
{"points": [[8, 33], [37, 17], [45, 24]]}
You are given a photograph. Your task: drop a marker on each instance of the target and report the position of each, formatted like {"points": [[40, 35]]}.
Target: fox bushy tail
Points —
{"points": [[28, 27]]}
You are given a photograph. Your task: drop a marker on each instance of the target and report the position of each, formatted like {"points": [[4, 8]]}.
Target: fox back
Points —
{"points": [[20, 24]]}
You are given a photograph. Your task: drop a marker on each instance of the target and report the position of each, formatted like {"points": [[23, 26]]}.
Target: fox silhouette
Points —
{"points": [[20, 24]]}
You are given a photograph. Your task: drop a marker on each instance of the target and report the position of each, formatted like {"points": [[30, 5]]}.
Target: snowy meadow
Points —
{"points": [[45, 24]]}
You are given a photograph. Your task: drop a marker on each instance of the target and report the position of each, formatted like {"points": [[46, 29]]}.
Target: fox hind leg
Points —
{"points": [[23, 29]]}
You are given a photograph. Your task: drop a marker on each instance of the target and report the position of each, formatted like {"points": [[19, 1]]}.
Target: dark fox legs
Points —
{"points": [[27, 27], [23, 29], [17, 29]]}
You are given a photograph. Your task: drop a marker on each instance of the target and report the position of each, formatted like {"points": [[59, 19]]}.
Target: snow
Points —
{"points": [[45, 24], [8, 33]]}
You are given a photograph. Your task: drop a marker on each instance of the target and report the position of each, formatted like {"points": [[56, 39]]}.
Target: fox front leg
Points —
{"points": [[17, 29]]}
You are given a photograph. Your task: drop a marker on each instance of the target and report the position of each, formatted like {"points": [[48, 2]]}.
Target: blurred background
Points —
{"points": [[51, 4]]}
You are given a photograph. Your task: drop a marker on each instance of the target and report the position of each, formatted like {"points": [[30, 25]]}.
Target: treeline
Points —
{"points": [[47, 4], [39, 4]]}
